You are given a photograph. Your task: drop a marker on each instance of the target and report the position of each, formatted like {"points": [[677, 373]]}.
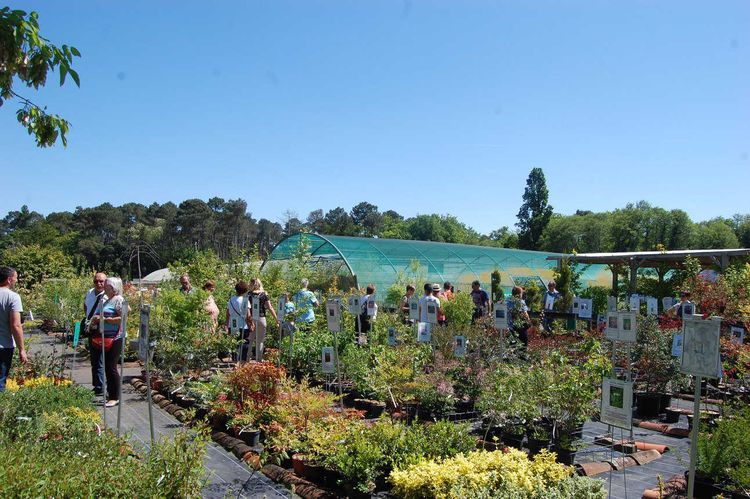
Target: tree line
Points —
{"points": [[105, 236]]}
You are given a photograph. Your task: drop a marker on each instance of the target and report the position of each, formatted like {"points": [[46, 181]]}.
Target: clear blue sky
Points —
{"points": [[416, 106]]}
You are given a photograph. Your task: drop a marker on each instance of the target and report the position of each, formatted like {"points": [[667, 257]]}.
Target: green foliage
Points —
{"points": [[724, 452], [535, 212], [657, 369], [598, 295], [565, 278], [59, 300], [35, 263], [459, 310], [533, 296], [26, 55]]}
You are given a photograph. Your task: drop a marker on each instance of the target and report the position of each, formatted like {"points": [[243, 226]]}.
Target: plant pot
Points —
{"points": [[314, 472], [704, 486], [201, 412], [672, 416], [298, 464], [512, 439], [250, 437], [566, 456], [219, 422], [186, 402], [535, 446], [707, 418], [649, 404]]}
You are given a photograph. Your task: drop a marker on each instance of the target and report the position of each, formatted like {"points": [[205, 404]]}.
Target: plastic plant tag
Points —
{"points": [[431, 311], [700, 345], [584, 307], [76, 334], [652, 306], [143, 333], [333, 314], [459, 346], [500, 315], [392, 336], [414, 308], [281, 308], [327, 360], [424, 332], [353, 304], [617, 403]]}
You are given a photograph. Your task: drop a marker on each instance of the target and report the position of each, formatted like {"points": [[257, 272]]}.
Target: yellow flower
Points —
{"points": [[11, 385]]}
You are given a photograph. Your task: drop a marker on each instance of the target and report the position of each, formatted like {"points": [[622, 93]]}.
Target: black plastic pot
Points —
{"points": [[250, 437], [672, 416], [565, 456], [650, 404], [512, 439]]}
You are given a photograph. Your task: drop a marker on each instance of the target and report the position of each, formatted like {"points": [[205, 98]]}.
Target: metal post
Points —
{"points": [[123, 339], [338, 368], [104, 366], [148, 392], [694, 436]]}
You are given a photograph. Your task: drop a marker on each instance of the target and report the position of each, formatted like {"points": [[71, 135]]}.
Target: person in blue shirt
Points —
{"points": [[305, 301]]}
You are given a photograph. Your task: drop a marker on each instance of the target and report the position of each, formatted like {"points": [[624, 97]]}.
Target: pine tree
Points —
{"points": [[535, 213]]}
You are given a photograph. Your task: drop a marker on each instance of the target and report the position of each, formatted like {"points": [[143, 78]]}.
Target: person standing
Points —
{"points": [[94, 297], [236, 319], [210, 306], [368, 310], [444, 296], [518, 315], [549, 298], [11, 329], [264, 306], [481, 301], [428, 298], [405, 304], [304, 302], [185, 287], [110, 312], [679, 308]]}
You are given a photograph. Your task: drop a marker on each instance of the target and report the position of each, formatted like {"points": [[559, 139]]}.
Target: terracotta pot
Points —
{"points": [[298, 464]]}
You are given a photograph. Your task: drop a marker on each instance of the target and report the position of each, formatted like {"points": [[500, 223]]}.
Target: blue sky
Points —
{"points": [[416, 106]]}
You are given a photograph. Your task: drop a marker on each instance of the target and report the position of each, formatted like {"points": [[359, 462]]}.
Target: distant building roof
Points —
{"points": [[156, 277]]}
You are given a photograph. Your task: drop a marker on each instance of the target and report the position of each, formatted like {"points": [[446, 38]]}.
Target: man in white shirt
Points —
{"points": [[426, 300], [11, 329]]}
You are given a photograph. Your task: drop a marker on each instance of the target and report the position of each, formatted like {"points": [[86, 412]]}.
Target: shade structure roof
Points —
{"points": [[653, 258], [384, 261]]}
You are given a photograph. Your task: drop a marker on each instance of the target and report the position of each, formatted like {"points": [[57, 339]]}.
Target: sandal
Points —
{"points": [[111, 403]]}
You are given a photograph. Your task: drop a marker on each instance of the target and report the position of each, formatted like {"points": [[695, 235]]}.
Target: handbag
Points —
{"points": [[92, 328], [96, 342]]}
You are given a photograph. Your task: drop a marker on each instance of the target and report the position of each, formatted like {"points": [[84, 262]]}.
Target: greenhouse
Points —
{"points": [[383, 262]]}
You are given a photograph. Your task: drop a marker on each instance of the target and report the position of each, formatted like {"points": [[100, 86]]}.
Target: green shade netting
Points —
{"points": [[385, 261]]}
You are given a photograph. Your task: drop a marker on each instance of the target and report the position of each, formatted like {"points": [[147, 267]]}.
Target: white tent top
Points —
{"points": [[156, 277]]}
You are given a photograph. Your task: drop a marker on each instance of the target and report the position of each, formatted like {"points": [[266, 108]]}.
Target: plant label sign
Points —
{"points": [[738, 335], [372, 307], [256, 308], [431, 310], [635, 303], [652, 306], [353, 304], [414, 308], [459, 346], [327, 358], [688, 309], [333, 314], [424, 332], [584, 307], [549, 303], [677, 345], [281, 308], [392, 336], [143, 333], [700, 349], [621, 326], [617, 403], [500, 315], [576, 304], [76, 334], [611, 304]]}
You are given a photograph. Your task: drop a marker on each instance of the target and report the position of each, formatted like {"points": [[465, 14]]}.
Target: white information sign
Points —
{"points": [[328, 361], [700, 350], [424, 332], [353, 304], [612, 304], [372, 308], [635, 303], [333, 314], [143, 333], [738, 335], [576, 304], [459, 346], [414, 308], [549, 303], [621, 326], [500, 315], [256, 308], [688, 309], [617, 403], [584, 307], [652, 306], [432, 310], [677, 345], [392, 336]]}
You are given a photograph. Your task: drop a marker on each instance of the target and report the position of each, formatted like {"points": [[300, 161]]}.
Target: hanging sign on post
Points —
{"points": [[617, 403], [584, 307], [459, 346], [667, 302], [677, 345], [414, 308], [652, 305], [500, 315], [635, 303], [621, 326], [549, 303], [392, 336], [424, 332], [333, 314], [143, 333], [372, 307], [688, 309], [76, 334], [431, 311], [700, 350], [576, 304], [738, 335], [256, 308], [328, 361], [353, 304]]}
